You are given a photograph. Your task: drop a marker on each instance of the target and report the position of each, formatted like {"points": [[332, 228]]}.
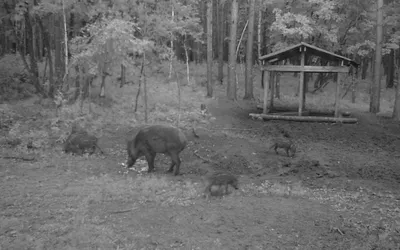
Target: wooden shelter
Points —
{"points": [[300, 50]]}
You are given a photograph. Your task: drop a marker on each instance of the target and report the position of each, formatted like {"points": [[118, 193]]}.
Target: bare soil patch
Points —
{"points": [[340, 191]]}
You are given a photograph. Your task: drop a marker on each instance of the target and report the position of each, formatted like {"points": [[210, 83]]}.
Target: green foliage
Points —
{"points": [[290, 24], [109, 43], [120, 30], [343, 26], [316, 21]]}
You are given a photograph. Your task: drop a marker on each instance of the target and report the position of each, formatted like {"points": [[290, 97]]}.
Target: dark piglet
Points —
{"points": [[220, 180], [81, 142], [154, 139], [287, 145]]}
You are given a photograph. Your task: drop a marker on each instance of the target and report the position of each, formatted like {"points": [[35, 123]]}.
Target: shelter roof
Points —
{"points": [[296, 49]]}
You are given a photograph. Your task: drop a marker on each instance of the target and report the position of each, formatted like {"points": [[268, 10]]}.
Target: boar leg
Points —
{"points": [[226, 188], [150, 160], [276, 149], [171, 167], [175, 162]]}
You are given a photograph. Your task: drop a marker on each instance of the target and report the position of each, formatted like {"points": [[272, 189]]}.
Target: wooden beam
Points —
{"points": [[303, 118], [266, 89], [301, 82], [306, 68]]}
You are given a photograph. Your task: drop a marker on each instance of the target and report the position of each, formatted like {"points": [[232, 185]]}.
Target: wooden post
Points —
{"points": [[337, 97], [266, 89], [301, 89], [272, 84]]}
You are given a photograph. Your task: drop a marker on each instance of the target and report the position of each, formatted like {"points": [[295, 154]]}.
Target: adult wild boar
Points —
{"points": [[154, 139]]}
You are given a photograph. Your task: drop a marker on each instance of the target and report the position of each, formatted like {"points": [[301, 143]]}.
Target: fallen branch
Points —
{"points": [[347, 90], [238, 104], [303, 118], [205, 159], [320, 87], [337, 229]]}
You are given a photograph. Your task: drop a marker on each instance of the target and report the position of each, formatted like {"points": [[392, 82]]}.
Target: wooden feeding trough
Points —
{"points": [[300, 50]]}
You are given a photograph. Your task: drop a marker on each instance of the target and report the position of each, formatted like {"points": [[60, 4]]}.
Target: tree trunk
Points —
{"points": [[264, 34], [34, 42], [249, 54], [123, 76], [215, 28], [58, 47], [203, 20], [34, 70], [396, 108], [71, 25], [364, 68], [277, 85], [40, 45], [87, 81], [195, 52], [172, 42], [226, 32], [47, 44], [376, 84], [221, 41], [143, 79], [259, 40], [79, 80], [179, 48], [307, 79], [390, 69], [209, 48], [187, 59], [231, 86], [65, 69]]}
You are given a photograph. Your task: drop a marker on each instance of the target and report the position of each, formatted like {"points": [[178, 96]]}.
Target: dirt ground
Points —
{"points": [[340, 191]]}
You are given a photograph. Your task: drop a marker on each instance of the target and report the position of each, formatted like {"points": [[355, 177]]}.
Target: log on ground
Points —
{"points": [[304, 113], [285, 110], [303, 118]]}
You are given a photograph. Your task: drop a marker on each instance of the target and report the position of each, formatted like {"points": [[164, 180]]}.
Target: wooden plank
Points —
{"points": [[306, 68], [301, 89], [266, 89], [303, 118]]}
